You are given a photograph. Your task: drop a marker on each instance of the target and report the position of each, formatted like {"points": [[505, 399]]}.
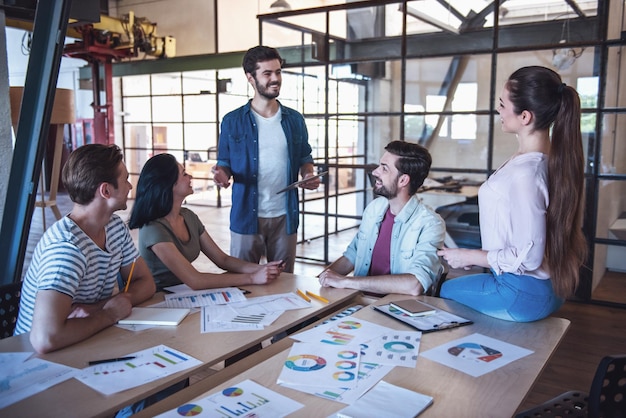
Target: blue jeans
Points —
{"points": [[507, 296]]}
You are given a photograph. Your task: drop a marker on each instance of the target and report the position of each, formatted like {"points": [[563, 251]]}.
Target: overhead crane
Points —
{"points": [[113, 39]]}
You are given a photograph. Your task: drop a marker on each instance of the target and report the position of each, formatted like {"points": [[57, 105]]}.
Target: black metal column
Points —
{"points": [[50, 26]]}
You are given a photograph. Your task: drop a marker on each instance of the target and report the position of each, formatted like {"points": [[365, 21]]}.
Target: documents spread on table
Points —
{"points": [[228, 309], [251, 314], [379, 349], [22, 376], [345, 360]]}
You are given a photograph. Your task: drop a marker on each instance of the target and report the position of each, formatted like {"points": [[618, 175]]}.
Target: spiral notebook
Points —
{"points": [[437, 321]]}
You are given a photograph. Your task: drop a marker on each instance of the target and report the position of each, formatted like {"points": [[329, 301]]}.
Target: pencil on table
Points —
{"points": [[318, 297], [302, 295], [130, 275]]}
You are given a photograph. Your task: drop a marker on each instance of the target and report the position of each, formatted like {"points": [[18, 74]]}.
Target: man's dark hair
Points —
{"points": [[88, 167], [415, 161], [259, 54]]}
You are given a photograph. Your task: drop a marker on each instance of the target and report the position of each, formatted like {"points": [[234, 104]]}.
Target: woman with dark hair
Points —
{"points": [[171, 236], [531, 208]]}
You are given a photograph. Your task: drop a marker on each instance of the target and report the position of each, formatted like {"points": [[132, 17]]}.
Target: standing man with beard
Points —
{"points": [[395, 250], [263, 146]]}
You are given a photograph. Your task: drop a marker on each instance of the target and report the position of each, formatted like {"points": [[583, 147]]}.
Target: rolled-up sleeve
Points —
{"points": [[419, 256]]}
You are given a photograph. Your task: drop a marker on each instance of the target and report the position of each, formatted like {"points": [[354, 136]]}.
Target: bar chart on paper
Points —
{"points": [[148, 365], [199, 298], [243, 400]]}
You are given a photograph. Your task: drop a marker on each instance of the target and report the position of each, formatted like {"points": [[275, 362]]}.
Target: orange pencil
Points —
{"points": [[130, 275], [302, 295], [318, 297]]}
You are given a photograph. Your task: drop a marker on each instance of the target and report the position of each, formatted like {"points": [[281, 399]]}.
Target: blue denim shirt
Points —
{"points": [[239, 151], [418, 231]]}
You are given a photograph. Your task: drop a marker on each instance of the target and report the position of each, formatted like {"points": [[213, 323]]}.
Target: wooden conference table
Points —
{"points": [[72, 398], [456, 394]]}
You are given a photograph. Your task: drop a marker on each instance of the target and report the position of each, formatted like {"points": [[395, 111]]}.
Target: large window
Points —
{"points": [[432, 73]]}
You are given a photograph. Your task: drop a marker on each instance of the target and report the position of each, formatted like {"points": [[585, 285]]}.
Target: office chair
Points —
{"points": [[9, 305], [606, 397]]}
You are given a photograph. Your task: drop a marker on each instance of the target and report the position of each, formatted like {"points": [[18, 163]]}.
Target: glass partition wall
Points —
{"points": [[432, 71], [428, 71]]}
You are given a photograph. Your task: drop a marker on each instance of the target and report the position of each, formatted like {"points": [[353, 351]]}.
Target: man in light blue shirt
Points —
{"points": [[395, 250]]}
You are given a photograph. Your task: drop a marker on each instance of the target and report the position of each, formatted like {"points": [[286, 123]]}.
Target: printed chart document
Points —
{"points": [[398, 348], [369, 374], [476, 354], [246, 399], [21, 377], [323, 365], [251, 314], [155, 316], [148, 365], [387, 400], [347, 330], [207, 297]]}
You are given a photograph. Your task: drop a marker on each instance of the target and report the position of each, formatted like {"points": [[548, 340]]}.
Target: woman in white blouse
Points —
{"points": [[531, 208]]}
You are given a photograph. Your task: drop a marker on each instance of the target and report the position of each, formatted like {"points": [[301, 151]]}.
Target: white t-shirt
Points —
{"points": [[273, 166]]}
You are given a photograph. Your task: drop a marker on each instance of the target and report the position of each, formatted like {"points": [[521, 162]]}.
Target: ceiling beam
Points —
{"points": [[542, 35]]}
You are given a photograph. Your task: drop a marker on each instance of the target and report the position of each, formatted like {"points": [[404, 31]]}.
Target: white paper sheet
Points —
{"points": [[246, 399], [476, 354], [148, 365], [387, 400], [21, 377], [369, 375], [251, 314], [343, 331], [399, 348]]}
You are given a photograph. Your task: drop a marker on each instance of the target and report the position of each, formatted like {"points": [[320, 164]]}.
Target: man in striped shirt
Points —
{"points": [[70, 289]]}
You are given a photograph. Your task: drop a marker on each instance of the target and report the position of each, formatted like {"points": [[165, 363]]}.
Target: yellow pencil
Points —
{"points": [[130, 275], [318, 297], [302, 295]]}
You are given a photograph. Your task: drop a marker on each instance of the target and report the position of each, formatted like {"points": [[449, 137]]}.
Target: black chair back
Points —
{"points": [[9, 306], [607, 396]]}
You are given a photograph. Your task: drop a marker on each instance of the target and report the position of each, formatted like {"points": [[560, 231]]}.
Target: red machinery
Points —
{"points": [[111, 40]]}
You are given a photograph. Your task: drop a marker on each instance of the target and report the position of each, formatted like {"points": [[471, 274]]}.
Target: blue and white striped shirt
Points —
{"points": [[68, 261]]}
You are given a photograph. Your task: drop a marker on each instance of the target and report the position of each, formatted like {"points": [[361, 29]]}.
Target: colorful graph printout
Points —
{"points": [[147, 366], [198, 298], [322, 365], [399, 348], [343, 331], [369, 375], [476, 354], [246, 400]]}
